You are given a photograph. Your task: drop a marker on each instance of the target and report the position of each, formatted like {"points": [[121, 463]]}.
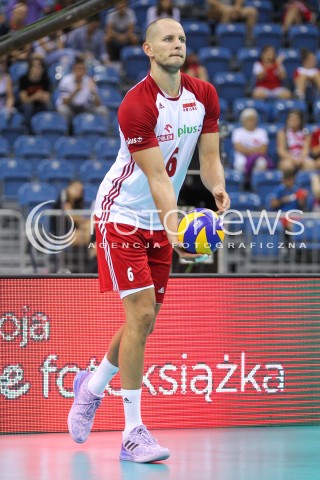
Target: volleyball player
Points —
{"points": [[161, 119]]}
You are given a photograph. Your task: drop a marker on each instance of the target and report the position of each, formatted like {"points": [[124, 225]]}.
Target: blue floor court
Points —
{"points": [[277, 453]]}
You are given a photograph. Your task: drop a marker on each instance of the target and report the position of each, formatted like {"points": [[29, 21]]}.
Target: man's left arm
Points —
{"points": [[211, 170]]}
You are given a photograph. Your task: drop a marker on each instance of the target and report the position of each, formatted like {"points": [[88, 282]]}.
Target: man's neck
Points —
{"points": [[169, 83]]}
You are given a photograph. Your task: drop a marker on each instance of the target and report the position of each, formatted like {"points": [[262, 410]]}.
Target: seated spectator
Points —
{"points": [[307, 75], [120, 25], [269, 74], [18, 17], [288, 196], [6, 88], [35, 9], [163, 9], [72, 198], [78, 93], [293, 144], [295, 13], [89, 40], [34, 89], [315, 189], [229, 11], [315, 148], [21, 55], [193, 67], [250, 145]]}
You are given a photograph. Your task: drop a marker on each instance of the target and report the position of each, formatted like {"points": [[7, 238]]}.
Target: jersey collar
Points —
{"points": [[174, 99]]}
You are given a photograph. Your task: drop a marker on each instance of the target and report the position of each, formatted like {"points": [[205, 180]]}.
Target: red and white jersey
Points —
{"points": [[149, 118], [296, 141]]}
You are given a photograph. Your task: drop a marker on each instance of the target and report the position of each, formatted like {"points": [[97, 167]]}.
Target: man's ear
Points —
{"points": [[147, 48]]}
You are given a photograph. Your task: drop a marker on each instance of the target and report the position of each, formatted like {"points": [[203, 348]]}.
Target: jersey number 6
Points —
{"points": [[171, 166]]}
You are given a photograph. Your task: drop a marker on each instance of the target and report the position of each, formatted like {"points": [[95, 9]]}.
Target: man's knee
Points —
{"points": [[144, 321]]}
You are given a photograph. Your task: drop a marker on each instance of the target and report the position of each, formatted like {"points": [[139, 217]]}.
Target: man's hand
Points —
{"points": [[222, 199], [178, 247]]}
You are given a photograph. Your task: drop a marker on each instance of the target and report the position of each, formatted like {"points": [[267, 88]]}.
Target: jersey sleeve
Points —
{"points": [[137, 121], [212, 107]]}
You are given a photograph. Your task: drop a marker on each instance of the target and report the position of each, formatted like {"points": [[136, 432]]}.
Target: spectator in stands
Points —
{"points": [[295, 13], [293, 144], [229, 11], [78, 93], [72, 198], [307, 75], [34, 89], [250, 145], [120, 25], [35, 9], [193, 67], [89, 39], [315, 148], [288, 196], [21, 55], [315, 189], [269, 74], [18, 17], [6, 88], [163, 9]]}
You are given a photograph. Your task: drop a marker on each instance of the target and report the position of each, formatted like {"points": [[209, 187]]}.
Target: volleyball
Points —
{"points": [[201, 231]]}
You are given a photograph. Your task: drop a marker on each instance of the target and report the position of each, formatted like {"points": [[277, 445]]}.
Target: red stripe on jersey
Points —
{"points": [[187, 105], [115, 190]]}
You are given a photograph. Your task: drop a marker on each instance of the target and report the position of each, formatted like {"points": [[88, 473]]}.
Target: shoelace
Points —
{"points": [[92, 408], [146, 436]]}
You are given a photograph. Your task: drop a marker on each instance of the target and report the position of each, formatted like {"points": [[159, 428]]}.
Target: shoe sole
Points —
{"points": [[145, 459], [76, 383]]}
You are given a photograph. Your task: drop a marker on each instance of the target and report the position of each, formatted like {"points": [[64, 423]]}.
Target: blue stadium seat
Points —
{"points": [[292, 60], [32, 146], [227, 145], [57, 172], [110, 98], [140, 9], [230, 85], [282, 107], [56, 71], [259, 105], [246, 57], [93, 171], [232, 36], [4, 147], [316, 110], [105, 76], [245, 201], [264, 8], [90, 193], [89, 126], [134, 61], [13, 173], [306, 35], [310, 235], [197, 33], [272, 129], [215, 59], [52, 125], [303, 179], [73, 149], [263, 183], [17, 70], [31, 194], [223, 108], [62, 56], [234, 180], [265, 238], [107, 148], [268, 34], [12, 126]]}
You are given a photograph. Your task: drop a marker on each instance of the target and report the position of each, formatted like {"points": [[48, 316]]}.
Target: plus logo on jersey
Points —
{"points": [[131, 141], [166, 137], [189, 105]]}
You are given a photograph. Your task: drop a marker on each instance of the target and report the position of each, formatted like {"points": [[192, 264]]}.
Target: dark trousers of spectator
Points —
{"points": [[114, 49], [29, 109]]}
